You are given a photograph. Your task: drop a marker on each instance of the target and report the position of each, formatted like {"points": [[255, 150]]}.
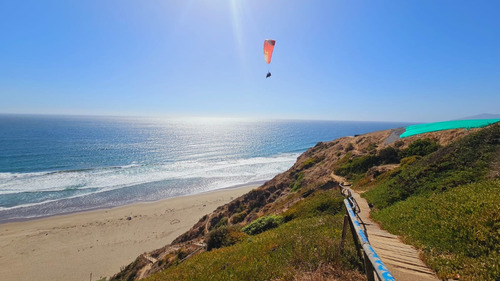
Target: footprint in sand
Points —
{"points": [[175, 221]]}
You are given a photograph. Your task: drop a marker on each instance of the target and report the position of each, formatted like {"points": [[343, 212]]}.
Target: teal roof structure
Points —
{"points": [[447, 125]]}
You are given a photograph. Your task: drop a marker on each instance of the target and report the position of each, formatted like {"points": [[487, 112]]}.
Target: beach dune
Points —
{"points": [[74, 246]]}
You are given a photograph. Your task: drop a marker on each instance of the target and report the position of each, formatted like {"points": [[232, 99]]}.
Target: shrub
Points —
{"points": [[181, 254], [297, 184], [238, 217], [349, 147], [262, 224], [222, 222], [420, 147], [357, 165], [399, 143], [223, 236], [388, 155], [308, 163]]}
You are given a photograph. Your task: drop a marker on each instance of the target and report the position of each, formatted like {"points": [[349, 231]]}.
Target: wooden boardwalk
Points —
{"points": [[402, 260]]}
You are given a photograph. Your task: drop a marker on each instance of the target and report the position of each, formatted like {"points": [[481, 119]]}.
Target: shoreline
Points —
{"points": [[72, 246], [25, 219]]}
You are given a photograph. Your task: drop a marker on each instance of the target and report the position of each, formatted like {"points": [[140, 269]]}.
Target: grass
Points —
{"points": [[444, 204], [304, 245], [459, 230]]}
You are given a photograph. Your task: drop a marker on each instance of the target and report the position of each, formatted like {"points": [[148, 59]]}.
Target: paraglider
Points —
{"points": [[268, 52]]}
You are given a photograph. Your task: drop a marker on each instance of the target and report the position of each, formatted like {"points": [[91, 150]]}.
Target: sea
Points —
{"points": [[51, 165]]}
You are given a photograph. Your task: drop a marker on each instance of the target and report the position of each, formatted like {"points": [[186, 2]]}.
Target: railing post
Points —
{"points": [[359, 248], [344, 230], [369, 268]]}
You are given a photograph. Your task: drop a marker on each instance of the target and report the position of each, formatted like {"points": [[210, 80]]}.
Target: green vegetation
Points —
{"points": [[445, 204], [315, 206], [297, 184], [459, 229], [305, 245], [238, 217], [465, 161], [308, 163], [262, 224], [357, 165], [420, 147], [222, 222], [443, 200], [389, 155], [223, 236]]}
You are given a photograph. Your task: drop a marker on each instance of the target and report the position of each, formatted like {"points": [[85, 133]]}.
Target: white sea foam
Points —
{"points": [[239, 171]]}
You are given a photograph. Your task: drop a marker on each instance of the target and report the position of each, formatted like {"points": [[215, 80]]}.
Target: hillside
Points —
{"points": [[303, 203]]}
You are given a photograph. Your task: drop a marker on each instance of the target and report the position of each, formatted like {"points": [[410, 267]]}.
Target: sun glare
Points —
{"points": [[236, 14]]}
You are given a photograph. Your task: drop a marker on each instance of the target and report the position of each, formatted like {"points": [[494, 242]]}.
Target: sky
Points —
{"points": [[412, 61]]}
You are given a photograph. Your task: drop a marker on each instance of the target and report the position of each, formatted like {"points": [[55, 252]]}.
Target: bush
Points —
{"points": [[223, 236], [222, 222], [238, 217], [389, 155], [420, 147], [308, 163], [349, 147], [262, 224], [357, 165]]}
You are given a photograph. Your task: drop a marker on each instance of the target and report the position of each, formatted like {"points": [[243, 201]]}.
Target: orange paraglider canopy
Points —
{"points": [[268, 49]]}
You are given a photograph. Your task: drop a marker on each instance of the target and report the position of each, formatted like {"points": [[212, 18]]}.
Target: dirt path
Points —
{"points": [[402, 260]]}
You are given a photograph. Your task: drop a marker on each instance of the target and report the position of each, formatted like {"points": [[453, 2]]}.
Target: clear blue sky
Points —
{"points": [[392, 60]]}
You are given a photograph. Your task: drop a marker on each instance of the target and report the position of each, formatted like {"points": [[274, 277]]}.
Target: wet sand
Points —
{"points": [[74, 246]]}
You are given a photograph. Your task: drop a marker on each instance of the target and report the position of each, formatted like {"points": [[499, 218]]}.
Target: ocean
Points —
{"points": [[52, 165]]}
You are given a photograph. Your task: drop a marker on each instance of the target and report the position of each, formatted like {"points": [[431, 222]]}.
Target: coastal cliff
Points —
{"points": [[366, 160]]}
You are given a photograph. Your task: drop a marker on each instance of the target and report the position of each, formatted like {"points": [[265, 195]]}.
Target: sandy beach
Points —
{"points": [[71, 247]]}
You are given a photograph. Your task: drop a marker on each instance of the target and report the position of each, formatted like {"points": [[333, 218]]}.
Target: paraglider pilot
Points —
{"points": [[268, 75]]}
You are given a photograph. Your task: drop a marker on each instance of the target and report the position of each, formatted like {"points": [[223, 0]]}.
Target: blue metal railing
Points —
{"points": [[373, 263]]}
